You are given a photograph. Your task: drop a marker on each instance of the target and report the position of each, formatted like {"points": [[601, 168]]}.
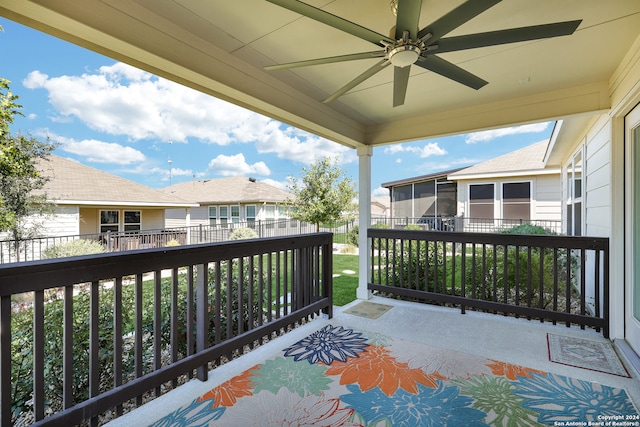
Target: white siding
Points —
{"points": [[177, 217], [547, 198], [597, 181]]}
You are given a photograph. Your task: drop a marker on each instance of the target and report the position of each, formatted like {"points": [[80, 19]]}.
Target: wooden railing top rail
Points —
{"points": [[548, 241], [45, 274]]}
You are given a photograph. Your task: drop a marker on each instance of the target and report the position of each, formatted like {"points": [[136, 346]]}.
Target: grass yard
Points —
{"points": [[345, 284]]}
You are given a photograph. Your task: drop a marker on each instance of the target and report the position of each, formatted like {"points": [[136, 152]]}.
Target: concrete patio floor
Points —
{"points": [[511, 340]]}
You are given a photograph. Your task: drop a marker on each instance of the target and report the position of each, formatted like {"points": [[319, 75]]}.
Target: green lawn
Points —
{"points": [[345, 285]]}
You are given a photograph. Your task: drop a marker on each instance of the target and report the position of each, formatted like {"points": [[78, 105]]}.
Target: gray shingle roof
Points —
{"points": [[228, 190], [73, 182], [530, 158]]}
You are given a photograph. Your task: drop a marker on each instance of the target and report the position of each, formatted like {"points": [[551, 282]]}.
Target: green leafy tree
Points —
{"points": [[21, 178], [323, 194]]}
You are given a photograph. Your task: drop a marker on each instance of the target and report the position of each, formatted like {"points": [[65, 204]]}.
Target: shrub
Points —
{"points": [[242, 234], [172, 243], [73, 248], [528, 229], [353, 233]]}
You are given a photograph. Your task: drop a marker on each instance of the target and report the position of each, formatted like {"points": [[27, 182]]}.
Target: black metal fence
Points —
{"points": [[556, 278], [466, 224], [83, 336]]}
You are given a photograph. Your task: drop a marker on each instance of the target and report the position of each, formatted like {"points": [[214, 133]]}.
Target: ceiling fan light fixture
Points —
{"points": [[404, 55]]}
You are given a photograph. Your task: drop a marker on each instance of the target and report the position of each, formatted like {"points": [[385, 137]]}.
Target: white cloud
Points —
{"points": [[489, 135], [99, 151], [122, 100], [278, 184], [237, 166], [428, 150], [380, 191]]}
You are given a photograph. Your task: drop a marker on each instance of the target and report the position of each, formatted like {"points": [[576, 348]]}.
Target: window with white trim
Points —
{"points": [[250, 215], [516, 200], [213, 215], [574, 195], [132, 220], [109, 221], [224, 215], [235, 214], [481, 201]]}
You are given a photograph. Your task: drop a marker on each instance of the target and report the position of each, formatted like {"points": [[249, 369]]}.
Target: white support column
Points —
{"points": [[364, 221]]}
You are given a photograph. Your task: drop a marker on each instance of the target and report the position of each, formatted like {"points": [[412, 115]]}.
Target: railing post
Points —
{"points": [[5, 361], [202, 317]]}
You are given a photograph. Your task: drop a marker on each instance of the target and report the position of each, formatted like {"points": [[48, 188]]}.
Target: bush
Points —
{"points": [[353, 233], [242, 234], [74, 248], [172, 243], [528, 229]]}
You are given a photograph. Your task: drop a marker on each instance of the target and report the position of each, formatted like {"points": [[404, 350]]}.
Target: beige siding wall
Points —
{"points": [[90, 219], [547, 195]]}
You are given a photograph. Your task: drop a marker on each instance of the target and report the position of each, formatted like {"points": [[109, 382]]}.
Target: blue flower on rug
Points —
{"points": [[328, 344], [559, 398], [429, 407], [197, 414]]}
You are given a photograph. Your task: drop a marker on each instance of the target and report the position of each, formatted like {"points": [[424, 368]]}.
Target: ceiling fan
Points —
{"points": [[408, 45]]}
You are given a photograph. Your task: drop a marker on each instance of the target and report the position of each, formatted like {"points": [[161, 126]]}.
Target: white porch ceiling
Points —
{"points": [[220, 47]]}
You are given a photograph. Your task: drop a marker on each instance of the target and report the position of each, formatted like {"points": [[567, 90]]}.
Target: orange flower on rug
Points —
{"points": [[227, 393], [376, 368], [510, 371]]}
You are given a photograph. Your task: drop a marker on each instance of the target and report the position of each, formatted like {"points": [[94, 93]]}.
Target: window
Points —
{"points": [[224, 215], [574, 196], [402, 201], [109, 221], [425, 199], [446, 198], [481, 201], [213, 215], [516, 200], [269, 215], [235, 214], [250, 215], [132, 221]]}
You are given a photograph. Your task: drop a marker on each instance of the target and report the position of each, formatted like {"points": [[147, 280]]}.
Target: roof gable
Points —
{"points": [[237, 189], [72, 182]]}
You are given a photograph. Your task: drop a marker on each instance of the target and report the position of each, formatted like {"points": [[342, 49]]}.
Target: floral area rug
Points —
{"points": [[343, 377]]}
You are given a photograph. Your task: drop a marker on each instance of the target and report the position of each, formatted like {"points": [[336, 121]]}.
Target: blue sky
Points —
{"points": [[130, 123]]}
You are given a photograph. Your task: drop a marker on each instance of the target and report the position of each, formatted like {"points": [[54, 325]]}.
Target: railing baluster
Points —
{"points": [[38, 355], [202, 322], [5, 361], [139, 366], [94, 344], [241, 295], [583, 283], [175, 324], [117, 337], [597, 285], [67, 349], [529, 278], [157, 324], [517, 278], [190, 315], [568, 285], [250, 302]]}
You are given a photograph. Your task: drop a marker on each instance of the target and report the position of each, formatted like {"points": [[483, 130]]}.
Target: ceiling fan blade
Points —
{"points": [[328, 60], [361, 78], [332, 20], [400, 82], [492, 38], [408, 18], [451, 71], [455, 18]]}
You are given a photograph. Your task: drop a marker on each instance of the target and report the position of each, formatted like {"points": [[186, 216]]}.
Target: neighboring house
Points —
{"points": [[517, 186], [426, 196], [89, 201], [380, 207], [227, 200]]}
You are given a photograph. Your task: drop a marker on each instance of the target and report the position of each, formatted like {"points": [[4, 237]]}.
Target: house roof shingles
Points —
{"points": [[530, 158], [74, 183], [228, 190]]}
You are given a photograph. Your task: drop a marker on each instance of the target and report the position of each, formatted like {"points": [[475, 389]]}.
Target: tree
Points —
{"points": [[21, 180], [323, 194]]}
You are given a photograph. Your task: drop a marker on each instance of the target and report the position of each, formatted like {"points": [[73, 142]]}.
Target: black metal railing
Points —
{"points": [[83, 336], [556, 278], [466, 224]]}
